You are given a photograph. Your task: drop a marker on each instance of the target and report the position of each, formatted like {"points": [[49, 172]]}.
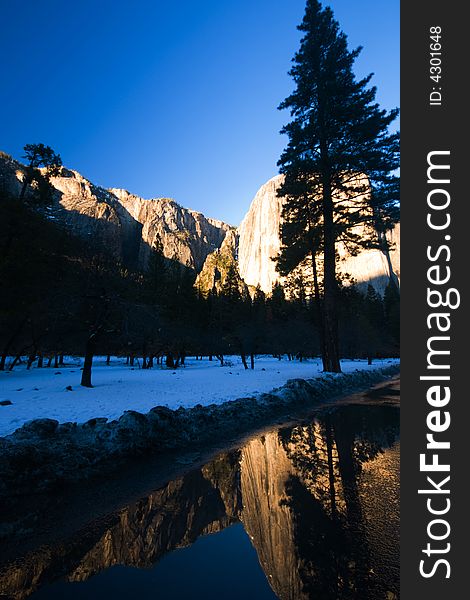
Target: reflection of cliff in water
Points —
{"points": [[314, 498], [319, 502], [203, 502]]}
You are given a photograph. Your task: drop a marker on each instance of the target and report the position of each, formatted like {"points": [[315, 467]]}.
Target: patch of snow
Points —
{"points": [[42, 393]]}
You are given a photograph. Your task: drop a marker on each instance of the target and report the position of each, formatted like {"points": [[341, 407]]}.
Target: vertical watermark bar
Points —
{"points": [[435, 232]]}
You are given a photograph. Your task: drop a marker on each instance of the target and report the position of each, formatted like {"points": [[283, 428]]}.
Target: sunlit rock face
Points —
{"points": [[260, 244], [128, 227], [185, 234], [259, 237], [219, 265], [138, 224], [122, 223], [373, 266]]}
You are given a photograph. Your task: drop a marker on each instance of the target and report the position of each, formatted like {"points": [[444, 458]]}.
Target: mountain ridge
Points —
{"points": [[130, 227], [123, 223]]}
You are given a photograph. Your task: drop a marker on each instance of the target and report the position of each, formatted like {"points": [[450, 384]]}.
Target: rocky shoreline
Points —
{"points": [[44, 455]]}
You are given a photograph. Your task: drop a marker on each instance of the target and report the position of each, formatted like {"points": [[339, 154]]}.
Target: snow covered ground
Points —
{"points": [[42, 392]]}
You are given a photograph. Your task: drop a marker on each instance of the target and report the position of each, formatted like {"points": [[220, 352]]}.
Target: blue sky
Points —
{"points": [[168, 98]]}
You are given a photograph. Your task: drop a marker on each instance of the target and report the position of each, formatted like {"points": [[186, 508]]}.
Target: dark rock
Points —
{"points": [[5, 402], [69, 388], [92, 423], [163, 412], [67, 428], [39, 427], [134, 421]]}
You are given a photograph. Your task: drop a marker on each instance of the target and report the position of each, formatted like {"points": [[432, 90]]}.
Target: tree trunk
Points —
{"points": [[150, 362], [330, 318], [243, 357], [49, 362], [56, 361], [348, 470], [61, 360], [15, 361], [31, 359], [40, 361], [386, 252], [318, 307], [89, 352], [108, 360], [9, 344], [331, 473], [26, 182], [170, 363], [252, 361]]}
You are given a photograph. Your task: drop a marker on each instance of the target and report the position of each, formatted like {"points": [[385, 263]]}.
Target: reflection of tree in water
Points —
{"points": [[324, 497], [299, 493]]}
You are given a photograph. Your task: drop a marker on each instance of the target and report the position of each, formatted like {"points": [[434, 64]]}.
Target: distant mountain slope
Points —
{"points": [[126, 225], [129, 227]]}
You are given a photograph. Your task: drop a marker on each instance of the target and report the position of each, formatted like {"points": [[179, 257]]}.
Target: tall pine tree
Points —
{"points": [[339, 163]]}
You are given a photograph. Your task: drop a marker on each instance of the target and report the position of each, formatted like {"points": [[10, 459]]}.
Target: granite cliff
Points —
{"points": [[260, 243], [219, 266], [129, 227], [124, 224]]}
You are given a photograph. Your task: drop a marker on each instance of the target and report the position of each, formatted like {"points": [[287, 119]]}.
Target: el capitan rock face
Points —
{"points": [[259, 237], [260, 243]]}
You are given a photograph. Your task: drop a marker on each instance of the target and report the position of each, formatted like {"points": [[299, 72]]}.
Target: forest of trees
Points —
{"points": [[62, 296]]}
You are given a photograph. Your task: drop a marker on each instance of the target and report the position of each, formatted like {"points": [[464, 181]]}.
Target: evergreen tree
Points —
{"points": [[339, 150], [39, 155], [374, 307], [277, 302], [230, 288], [392, 312], [156, 272]]}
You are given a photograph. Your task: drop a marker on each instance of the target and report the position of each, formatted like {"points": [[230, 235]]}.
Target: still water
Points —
{"points": [[300, 512]]}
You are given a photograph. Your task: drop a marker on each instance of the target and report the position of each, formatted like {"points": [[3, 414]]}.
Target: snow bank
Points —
{"points": [[43, 453], [43, 393]]}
